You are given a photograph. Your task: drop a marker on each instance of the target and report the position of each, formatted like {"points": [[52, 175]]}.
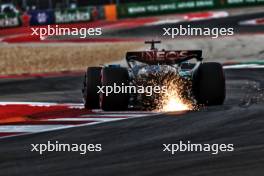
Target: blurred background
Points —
{"points": [[18, 12], [126, 23]]}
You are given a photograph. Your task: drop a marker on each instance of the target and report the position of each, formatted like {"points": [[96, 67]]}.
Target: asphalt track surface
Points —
{"points": [[135, 146], [227, 22]]}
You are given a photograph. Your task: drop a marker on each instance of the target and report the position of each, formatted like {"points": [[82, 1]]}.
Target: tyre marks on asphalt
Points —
{"points": [[17, 118]]}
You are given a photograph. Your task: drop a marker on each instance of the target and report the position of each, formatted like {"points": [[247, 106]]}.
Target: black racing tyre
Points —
{"points": [[209, 84], [114, 101], [91, 81]]}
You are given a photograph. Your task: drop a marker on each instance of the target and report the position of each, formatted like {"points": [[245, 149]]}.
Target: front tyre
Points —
{"points": [[209, 84]]}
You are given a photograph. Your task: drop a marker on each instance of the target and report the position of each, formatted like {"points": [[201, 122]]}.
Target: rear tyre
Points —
{"points": [[114, 101], [209, 84], [91, 81]]}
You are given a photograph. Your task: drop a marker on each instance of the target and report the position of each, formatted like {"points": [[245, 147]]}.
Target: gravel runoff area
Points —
{"points": [[235, 48], [42, 58]]}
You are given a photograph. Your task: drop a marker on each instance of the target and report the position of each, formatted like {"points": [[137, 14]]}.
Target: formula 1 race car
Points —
{"points": [[204, 83]]}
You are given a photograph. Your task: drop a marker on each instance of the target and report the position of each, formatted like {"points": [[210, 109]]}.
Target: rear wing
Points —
{"points": [[164, 57]]}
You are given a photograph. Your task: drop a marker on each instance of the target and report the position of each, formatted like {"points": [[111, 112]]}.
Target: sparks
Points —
{"points": [[173, 100], [175, 104]]}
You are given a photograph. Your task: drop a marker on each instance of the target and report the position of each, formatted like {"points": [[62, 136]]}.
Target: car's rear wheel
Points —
{"points": [[209, 84], [91, 81], [114, 101]]}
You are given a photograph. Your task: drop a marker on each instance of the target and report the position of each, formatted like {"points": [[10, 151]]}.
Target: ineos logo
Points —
{"points": [[165, 55]]}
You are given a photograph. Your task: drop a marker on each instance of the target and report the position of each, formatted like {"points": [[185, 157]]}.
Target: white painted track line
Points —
{"points": [[86, 119], [243, 66], [113, 115], [30, 128]]}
